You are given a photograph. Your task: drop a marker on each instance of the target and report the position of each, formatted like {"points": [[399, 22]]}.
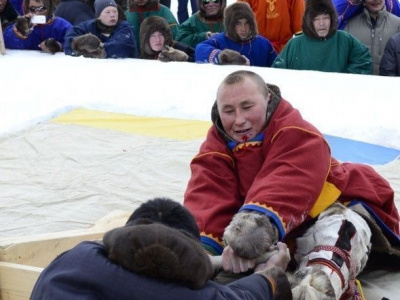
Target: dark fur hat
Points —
{"points": [[167, 212], [235, 12], [159, 251], [315, 8], [202, 11], [46, 3], [161, 239], [147, 28]]}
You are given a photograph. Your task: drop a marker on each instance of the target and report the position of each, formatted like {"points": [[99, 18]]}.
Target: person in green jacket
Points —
{"points": [[202, 25], [322, 47], [138, 10]]}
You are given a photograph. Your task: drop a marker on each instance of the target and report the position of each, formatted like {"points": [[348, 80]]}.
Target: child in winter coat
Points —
{"points": [[103, 37], [139, 10], [240, 44], [156, 42], [25, 34]]}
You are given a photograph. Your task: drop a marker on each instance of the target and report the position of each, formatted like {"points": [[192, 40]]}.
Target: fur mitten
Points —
{"points": [[231, 57], [159, 251], [88, 45], [23, 25], [52, 46], [250, 234], [171, 54]]}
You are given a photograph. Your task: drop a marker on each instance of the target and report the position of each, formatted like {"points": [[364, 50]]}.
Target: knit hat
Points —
{"points": [[100, 5]]}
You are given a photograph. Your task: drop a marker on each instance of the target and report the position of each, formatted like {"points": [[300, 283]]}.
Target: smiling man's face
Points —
{"points": [[243, 109]]}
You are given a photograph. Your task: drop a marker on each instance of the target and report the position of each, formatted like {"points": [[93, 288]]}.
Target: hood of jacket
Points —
{"points": [[202, 11], [272, 105], [149, 6], [315, 8], [147, 28], [233, 13]]}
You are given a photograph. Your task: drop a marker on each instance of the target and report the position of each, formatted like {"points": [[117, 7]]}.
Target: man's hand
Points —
{"points": [[233, 263], [279, 260]]}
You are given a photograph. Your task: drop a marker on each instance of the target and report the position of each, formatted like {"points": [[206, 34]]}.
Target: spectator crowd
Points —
{"points": [[346, 36]]}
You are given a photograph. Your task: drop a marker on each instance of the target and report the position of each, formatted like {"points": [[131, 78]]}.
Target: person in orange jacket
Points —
{"points": [[278, 21]]}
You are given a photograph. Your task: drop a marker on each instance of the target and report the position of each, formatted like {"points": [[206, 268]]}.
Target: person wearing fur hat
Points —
{"points": [[374, 27], [156, 42], [278, 20], [48, 36], [202, 25], [322, 47], [139, 10], [103, 37], [240, 44]]}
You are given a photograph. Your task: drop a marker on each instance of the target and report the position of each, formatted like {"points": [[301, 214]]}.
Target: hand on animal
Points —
{"points": [[278, 259], [50, 46], [235, 264], [231, 57], [88, 45], [159, 251], [250, 234], [171, 54], [23, 25]]}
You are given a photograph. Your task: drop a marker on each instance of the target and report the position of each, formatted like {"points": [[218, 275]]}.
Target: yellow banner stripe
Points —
{"points": [[178, 129]]}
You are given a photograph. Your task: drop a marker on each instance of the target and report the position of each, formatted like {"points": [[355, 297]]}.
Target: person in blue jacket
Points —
{"points": [[28, 35], [88, 272], [240, 44], [103, 37], [74, 11]]}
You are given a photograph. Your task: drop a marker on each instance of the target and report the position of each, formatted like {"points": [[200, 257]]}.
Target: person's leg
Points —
{"points": [[331, 254], [183, 14], [194, 6]]}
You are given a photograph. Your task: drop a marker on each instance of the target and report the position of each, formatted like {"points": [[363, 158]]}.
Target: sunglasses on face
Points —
{"points": [[205, 2], [34, 9]]}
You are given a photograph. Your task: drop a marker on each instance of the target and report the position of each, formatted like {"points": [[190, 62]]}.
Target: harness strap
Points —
{"points": [[345, 255]]}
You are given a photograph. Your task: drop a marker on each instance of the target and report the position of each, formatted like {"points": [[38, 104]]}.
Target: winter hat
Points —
{"points": [[235, 12], [315, 8], [147, 28], [202, 11], [100, 5]]}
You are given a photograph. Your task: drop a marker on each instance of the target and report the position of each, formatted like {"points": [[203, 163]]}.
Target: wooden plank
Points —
{"points": [[2, 45], [40, 250], [17, 281]]}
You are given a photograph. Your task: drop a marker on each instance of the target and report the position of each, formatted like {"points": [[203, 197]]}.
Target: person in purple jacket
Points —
{"points": [[240, 44], [103, 37], [28, 35]]}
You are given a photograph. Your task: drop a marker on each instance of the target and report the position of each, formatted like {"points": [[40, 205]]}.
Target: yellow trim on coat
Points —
{"points": [[329, 194]]}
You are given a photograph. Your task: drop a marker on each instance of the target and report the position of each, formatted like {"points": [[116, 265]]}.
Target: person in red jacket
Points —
{"points": [[265, 174]]}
